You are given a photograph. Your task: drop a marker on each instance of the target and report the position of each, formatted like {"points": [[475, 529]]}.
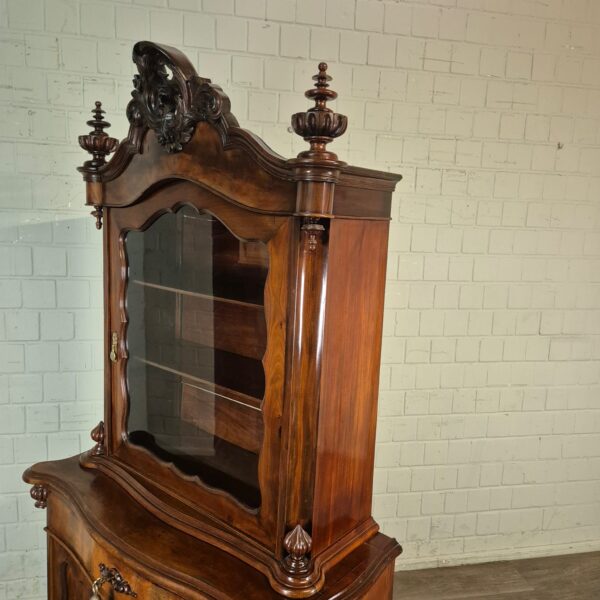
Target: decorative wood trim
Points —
{"points": [[169, 97], [298, 545], [97, 213], [319, 125], [98, 435], [313, 231], [97, 143], [40, 494]]}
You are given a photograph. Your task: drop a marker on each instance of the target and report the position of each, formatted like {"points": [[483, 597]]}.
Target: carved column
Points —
{"points": [[316, 172]]}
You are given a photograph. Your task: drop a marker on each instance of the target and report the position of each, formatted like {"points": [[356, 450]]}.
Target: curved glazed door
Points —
{"points": [[195, 342], [198, 291]]}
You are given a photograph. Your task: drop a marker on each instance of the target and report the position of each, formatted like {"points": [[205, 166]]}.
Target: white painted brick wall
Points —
{"points": [[489, 431]]}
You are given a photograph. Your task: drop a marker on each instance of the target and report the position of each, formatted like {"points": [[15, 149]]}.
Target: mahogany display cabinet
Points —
{"points": [[243, 298]]}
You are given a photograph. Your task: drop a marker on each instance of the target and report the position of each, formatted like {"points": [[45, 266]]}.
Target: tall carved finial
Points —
{"points": [[319, 125], [99, 144], [298, 545]]}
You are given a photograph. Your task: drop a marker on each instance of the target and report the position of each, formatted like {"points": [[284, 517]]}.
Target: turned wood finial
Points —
{"points": [[298, 545], [319, 125], [97, 142], [40, 494], [97, 434]]}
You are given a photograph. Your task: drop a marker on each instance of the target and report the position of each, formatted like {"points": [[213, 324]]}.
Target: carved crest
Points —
{"points": [[169, 96]]}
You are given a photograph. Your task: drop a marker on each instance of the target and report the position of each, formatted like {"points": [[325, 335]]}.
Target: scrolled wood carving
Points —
{"points": [[169, 97]]}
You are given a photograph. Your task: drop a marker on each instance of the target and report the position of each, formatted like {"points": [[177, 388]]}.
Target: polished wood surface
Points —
{"points": [[349, 384], [569, 577], [90, 522], [242, 370]]}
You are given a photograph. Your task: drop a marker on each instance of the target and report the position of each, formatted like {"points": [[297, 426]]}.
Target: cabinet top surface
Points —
{"points": [[153, 548], [180, 121]]}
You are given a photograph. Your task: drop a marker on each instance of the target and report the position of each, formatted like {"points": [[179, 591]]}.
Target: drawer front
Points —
{"points": [[144, 589]]}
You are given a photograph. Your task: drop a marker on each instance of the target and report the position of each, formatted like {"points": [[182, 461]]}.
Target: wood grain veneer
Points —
{"points": [[254, 365]]}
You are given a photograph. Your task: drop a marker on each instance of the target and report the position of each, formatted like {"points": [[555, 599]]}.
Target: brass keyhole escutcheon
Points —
{"points": [[113, 347]]}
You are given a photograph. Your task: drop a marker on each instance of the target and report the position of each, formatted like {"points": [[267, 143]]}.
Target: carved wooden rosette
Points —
{"points": [[40, 494], [97, 434], [298, 545]]}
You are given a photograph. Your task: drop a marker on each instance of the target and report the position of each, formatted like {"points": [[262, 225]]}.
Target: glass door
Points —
{"points": [[196, 338]]}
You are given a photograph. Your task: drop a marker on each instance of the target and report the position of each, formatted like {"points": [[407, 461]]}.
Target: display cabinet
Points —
{"points": [[243, 298]]}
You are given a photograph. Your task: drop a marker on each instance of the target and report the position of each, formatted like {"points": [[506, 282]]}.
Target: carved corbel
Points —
{"points": [[97, 435], [298, 545], [40, 494], [313, 229]]}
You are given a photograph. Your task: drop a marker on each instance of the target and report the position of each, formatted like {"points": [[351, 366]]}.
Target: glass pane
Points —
{"points": [[196, 338]]}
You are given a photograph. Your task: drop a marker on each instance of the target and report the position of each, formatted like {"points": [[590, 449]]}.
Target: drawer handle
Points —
{"points": [[116, 581]]}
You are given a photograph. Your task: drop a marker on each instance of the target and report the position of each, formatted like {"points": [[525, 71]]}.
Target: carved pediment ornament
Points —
{"points": [[169, 97]]}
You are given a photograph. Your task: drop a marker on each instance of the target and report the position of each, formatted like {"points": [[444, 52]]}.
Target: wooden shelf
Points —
{"points": [[184, 292], [234, 326], [208, 386]]}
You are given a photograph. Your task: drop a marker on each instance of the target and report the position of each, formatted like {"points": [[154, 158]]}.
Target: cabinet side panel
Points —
{"points": [[350, 377]]}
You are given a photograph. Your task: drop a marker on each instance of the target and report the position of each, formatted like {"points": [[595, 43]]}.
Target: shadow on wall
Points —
{"points": [[51, 324]]}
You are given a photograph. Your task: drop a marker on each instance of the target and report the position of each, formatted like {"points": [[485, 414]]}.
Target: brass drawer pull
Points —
{"points": [[116, 581]]}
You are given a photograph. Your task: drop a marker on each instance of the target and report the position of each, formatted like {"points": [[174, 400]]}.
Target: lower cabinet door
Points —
{"points": [[67, 580]]}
